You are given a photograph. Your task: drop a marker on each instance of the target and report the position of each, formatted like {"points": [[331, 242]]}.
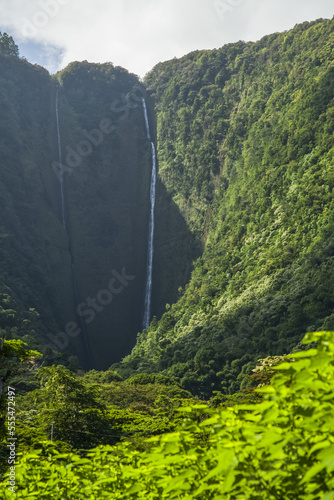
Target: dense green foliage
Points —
{"points": [[15, 359], [8, 46], [280, 448], [80, 411], [245, 147]]}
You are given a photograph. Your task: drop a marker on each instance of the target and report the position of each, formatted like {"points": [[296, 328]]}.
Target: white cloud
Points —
{"points": [[137, 34]]}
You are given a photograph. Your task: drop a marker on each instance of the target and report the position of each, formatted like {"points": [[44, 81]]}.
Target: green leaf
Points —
{"points": [[328, 496], [303, 354], [225, 460], [313, 471]]}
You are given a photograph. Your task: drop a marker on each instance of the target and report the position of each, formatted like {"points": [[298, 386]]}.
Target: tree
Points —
{"points": [[72, 410], [7, 45]]}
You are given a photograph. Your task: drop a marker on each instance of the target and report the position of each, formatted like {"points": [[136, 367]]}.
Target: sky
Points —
{"points": [[138, 34]]}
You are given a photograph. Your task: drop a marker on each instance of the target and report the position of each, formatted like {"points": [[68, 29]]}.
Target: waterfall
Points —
{"points": [[148, 290], [61, 172], [146, 120], [76, 297]]}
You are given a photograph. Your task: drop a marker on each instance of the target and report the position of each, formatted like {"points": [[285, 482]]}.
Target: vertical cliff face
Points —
{"points": [[106, 170], [34, 261], [87, 279]]}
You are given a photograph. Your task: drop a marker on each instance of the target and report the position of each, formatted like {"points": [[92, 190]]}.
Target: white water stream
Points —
{"points": [[61, 172], [150, 248]]}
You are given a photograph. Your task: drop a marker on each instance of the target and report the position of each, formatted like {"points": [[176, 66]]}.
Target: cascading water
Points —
{"points": [[148, 290], [85, 340], [61, 172]]}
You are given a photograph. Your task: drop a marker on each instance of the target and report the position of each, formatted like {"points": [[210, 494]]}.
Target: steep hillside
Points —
{"points": [[244, 137], [245, 148], [74, 232]]}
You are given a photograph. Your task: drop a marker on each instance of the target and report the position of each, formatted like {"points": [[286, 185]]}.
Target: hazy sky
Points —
{"points": [[137, 34]]}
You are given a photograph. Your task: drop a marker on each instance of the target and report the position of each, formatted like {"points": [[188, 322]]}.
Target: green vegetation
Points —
{"points": [[80, 411], [220, 398], [8, 46], [280, 448], [245, 147], [15, 359]]}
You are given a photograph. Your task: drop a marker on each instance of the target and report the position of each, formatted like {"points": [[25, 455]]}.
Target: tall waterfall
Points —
{"points": [[61, 172], [148, 290], [75, 288]]}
